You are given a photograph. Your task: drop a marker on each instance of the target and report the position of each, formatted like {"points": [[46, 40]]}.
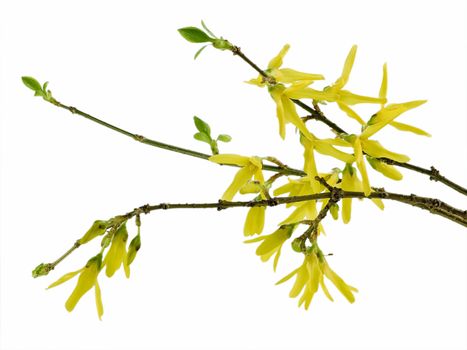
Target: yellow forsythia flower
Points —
{"points": [[251, 167], [351, 183], [310, 276], [335, 92], [285, 108], [387, 170], [272, 244], [116, 256], [87, 279], [399, 126], [254, 222], [284, 75]]}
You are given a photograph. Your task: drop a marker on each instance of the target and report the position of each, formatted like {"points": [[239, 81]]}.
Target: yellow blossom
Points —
{"points": [[335, 92], [272, 244], [116, 256], [87, 279], [351, 183], [284, 75], [251, 167], [385, 169], [254, 222], [310, 276], [399, 126], [285, 108]]}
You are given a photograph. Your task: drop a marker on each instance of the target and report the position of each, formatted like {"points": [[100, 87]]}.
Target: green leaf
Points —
{"points": [[201, 136], [39, 93], [207, 29], [202, 126], [224, 138], [199, 51], [195, 35], [32, 83]]}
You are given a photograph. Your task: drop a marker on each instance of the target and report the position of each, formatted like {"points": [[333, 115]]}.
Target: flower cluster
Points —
{"points": [[352, 151], [117, 255]]}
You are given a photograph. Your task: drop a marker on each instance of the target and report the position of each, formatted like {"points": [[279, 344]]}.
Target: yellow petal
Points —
{"points": [[233, 159], [65, 278], [337, 142], [388, 114], [286, 75], [291, 116], [361, 166], [259, 81], [114, 258], [288, 187], [276, 258], [385, 169], [240, 179], [350, 112], [254, 222], [276, 62], [378, 202], [383, 90], [276, 95], [99, 306], [340, 83], [126, 266], [273, 241], [346, 185], [325, 289], [256, 161], [409, 128], [310, 163], [350, 98], [375, 149], [300, 281], [86, 281], [314, 276], [328, 150], [338, 282], [288, 276], [299, 91], [298, 214]]}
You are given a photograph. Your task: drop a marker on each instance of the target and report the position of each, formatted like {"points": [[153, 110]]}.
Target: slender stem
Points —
{"points": [[166, 146], [435, 206], [68, 252], [319, 115]]}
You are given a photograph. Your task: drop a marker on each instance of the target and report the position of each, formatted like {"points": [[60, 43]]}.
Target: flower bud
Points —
{"points": [[98, 228], [133, 248]]}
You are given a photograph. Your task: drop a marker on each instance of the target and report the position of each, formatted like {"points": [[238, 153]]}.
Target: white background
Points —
{"points": [[194, 283]]}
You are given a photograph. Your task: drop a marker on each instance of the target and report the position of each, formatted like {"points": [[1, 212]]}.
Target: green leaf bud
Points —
{"points": [[202, 126], [195, 35], [224, 138], [32, 83], [42, 270], [222, 44], [201, 136]]}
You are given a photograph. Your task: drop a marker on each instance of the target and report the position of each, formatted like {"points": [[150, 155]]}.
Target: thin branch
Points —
{"points": [[319, 115], [166, 146], [433, 205]]}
